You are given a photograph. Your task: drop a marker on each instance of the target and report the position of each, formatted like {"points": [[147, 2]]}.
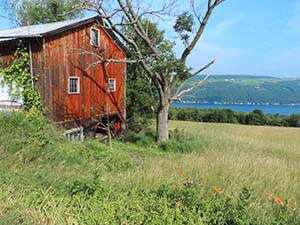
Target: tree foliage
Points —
{"points": [[256, 117], [139, 103], [28, 12], [184, 26]]}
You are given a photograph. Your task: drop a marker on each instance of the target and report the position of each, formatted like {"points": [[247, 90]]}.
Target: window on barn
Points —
{"points": [[95, 37], [74, 85], [111, 85]]}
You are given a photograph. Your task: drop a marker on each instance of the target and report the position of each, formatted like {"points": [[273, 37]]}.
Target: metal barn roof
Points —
{"points": [[42, 29]]}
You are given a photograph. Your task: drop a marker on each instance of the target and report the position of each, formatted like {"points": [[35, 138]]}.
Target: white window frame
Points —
{"points": [[77, 83], [114, 84], [92, 36]]}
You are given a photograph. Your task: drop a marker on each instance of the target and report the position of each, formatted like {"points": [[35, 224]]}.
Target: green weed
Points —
{"points": [[44, 179]]}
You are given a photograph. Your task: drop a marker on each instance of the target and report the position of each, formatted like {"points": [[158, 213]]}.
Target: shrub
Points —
{"points": [[144, 139], [180, 141], [170, 204], [137, 123], [35, 141], [29, 137]]}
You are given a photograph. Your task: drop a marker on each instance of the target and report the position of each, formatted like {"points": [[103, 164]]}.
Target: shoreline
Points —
{"points": [[239, 103]]}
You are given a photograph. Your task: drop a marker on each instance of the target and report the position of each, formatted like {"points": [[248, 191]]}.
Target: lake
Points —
{"points": [[267, 109]]}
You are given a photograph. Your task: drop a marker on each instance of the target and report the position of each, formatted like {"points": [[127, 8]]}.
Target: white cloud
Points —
{"points": [[221, 28], [226, 58]]}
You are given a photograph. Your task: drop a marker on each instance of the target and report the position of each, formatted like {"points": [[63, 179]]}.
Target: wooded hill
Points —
{"points": [[245, 88]]}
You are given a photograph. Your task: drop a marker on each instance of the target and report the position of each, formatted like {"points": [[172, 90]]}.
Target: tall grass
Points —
{"points": [[45, 179], [232, 157]]}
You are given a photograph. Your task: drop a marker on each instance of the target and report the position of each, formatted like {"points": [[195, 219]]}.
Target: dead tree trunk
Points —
{"points": [[162, 119]]}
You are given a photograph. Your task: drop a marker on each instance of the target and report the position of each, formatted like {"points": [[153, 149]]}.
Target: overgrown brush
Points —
{"points": [[180, 141], [96, 202], [135, 183], [34, 140], [30, 138]]}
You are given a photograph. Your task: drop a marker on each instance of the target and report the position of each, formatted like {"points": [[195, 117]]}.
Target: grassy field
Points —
{"points": [[47, 180], [232, 156]]}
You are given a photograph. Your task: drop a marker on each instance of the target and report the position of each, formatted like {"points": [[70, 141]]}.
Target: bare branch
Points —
{"points": [[217, 2], [197, 15], [140, 29], [180, 94], [75, 8], [165, 10], [156, 77], [177, 77], [195, 40], [151, 94], [9, 18], [204, 68], [194, 74], [102, 59], [110, 61], [208, 4], [201, 28]]}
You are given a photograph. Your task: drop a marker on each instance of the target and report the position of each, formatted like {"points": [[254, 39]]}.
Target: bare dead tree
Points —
{"points": [[121, 15]]}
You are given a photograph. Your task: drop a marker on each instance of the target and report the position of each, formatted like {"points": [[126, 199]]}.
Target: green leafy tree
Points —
{"points": [[28, 12], [139, 104], [256, 117], [141, 94], [294, 120]]}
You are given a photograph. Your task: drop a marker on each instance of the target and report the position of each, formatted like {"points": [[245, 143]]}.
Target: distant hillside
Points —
{"points": [[245, 88]]}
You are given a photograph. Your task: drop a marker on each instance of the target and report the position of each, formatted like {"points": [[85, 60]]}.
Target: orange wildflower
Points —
{"points": [[278, 200], [177, 203], [180, 172], [218, 190]]}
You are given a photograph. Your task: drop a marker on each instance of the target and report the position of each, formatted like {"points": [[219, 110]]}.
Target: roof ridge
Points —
{"points": [[37, 30], [63, 21]]}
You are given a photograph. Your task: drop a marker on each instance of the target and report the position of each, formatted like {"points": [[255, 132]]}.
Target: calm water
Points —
{"points": [[267, 109]]}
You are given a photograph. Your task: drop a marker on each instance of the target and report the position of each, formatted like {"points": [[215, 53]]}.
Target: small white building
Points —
{"points": [[6, 101]]}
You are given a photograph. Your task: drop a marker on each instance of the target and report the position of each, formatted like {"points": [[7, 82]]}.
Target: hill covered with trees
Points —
{"points": [[246, 89]]}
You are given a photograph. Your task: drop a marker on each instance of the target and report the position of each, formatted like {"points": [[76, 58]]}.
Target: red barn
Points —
{"points": [[78, 67]]}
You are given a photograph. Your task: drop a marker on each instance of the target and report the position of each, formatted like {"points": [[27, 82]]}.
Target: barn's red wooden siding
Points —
{"points": [[56, 58], [6, 55]]}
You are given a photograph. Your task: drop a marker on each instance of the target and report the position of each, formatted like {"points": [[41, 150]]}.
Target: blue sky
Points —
{"points": [[247, 37], [253, 37]]}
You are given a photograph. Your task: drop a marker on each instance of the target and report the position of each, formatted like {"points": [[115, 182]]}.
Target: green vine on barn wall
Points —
{"points": [[17, 77]]}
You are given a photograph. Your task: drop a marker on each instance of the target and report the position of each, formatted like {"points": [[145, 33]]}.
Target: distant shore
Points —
{"points": [[241, 103], [267, 108]]}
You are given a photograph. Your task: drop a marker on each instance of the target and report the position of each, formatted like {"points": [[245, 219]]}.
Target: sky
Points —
{"points": [[250, 37], [259, 37]]}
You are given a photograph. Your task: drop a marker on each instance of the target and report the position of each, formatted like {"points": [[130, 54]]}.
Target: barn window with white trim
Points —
{"points": [[111, 85], [74, 85]]}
